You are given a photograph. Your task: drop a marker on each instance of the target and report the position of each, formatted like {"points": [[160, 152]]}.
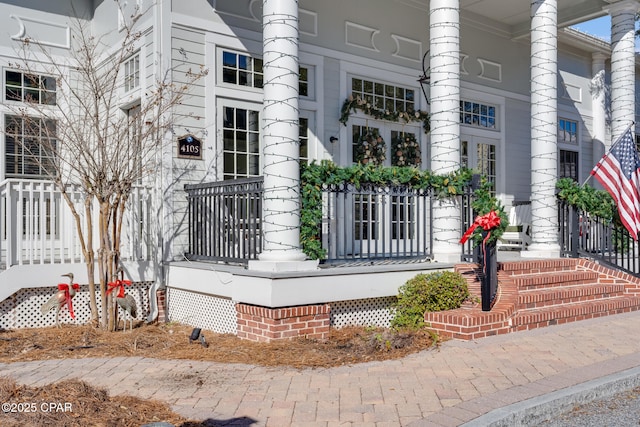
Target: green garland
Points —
{"points": [[595, 202], [315, 175], [354, 104]]}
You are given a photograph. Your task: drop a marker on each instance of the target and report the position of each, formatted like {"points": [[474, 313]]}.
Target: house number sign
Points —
{"points": [[189, 147]]}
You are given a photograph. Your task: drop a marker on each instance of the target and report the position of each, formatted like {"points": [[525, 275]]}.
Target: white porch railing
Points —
{"points": [[37, 227]]}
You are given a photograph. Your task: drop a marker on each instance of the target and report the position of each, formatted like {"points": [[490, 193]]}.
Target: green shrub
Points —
{"points": [[438, 291]]}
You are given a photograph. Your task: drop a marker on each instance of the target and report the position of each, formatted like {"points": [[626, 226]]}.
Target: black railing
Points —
{"points": [[225, 220], [376, 222], [367, 223], [583, 235]]}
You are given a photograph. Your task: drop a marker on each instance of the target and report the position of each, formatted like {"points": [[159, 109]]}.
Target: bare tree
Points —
{"points": [[85, 139]]}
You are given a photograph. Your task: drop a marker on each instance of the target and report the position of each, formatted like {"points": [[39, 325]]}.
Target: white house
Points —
{"points": [[512, 91]]}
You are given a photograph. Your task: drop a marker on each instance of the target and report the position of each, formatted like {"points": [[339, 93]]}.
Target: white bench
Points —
{"points": [[518, 233]]}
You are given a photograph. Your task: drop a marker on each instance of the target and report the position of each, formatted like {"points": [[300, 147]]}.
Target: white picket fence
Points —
{"points": [[37, 227]]}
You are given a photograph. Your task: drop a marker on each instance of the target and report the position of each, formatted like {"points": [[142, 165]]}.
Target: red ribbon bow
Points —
{"points": [[488, 222], [118, 284], [67, 296]]}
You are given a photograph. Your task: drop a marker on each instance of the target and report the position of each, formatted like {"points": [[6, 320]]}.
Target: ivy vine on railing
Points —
{"points": [[315, 175]]}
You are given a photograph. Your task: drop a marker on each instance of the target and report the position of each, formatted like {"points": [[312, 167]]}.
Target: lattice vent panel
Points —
{"points": [[202, 311], [362, 312], [22, 309]]}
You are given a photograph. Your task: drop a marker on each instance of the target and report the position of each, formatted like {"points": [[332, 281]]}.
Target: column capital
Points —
{"points": [[599, 57], [622, 6]]}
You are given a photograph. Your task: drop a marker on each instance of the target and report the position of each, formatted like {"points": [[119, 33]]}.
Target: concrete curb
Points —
{"points": [[538, 409]]}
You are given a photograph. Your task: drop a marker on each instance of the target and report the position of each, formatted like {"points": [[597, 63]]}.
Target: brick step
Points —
{"points": [[538, 266], [560, 278], [536, 298], [565, 313]]}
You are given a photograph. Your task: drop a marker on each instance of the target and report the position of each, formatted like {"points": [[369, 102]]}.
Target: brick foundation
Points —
{"points": [[267, 324], [161, 299]]}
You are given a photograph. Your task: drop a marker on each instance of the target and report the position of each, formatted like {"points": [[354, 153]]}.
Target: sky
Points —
{"points": [[599, 27]]}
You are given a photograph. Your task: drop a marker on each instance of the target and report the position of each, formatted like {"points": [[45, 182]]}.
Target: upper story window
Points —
{"points": [[567, 131], [26, 87], [132, 73], [30, 146], [477, 114], [242, 70], [383, 96]]}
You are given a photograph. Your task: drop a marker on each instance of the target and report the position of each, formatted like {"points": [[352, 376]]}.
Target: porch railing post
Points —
{"points": [[574, 222]]}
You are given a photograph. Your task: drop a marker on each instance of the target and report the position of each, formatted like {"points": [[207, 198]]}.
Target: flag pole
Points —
{"points": [[598, 165]]}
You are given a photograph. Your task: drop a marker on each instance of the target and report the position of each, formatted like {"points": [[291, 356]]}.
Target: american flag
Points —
{"points": [[619, 173]]}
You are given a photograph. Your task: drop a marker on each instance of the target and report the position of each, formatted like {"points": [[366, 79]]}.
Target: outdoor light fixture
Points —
{"points": [[425, 78], [333, 139]]}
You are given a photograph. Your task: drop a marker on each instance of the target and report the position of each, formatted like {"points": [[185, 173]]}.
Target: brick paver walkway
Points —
{"points": [[441, 387]]}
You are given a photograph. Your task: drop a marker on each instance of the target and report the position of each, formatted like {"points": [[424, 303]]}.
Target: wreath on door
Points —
{"points": [[370, 148]]}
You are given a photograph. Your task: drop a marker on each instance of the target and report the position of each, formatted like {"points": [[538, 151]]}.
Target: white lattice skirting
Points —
{"points": [[22, 309], [219, 315]]}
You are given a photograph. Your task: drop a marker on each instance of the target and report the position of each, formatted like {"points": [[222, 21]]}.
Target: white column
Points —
{"points": [[622, 65], [444, 44], [280, 139], [598, 107], [544, 129]]}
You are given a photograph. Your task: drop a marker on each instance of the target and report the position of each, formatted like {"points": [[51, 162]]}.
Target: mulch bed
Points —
{"points": [[93, 406]]}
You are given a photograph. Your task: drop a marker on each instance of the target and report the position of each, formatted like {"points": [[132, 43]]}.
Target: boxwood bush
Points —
{"points": [[443, 290]]}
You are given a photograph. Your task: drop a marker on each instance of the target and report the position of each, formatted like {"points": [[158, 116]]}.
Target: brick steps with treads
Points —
{"points": [[564, 313], [538, 293], [537, 298]]}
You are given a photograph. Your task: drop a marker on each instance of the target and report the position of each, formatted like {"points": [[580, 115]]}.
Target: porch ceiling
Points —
{"points": [[515, 14]]}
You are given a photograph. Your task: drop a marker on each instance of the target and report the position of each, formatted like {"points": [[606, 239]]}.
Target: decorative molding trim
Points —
{"points": [[572, 92], [360, 36], [463, 66], [50, 28], [249, 8], [490, 70], [406, 48], [308, 22]]}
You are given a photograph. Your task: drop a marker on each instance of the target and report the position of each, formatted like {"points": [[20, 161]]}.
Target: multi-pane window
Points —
{"points": [[567, 131], [304, 140], [30, 146], [568, 167], [303, 82], [383, 96], [477, 114], [242, 70], [481, 157], [241, 143], [132, 73], [36, 88]]}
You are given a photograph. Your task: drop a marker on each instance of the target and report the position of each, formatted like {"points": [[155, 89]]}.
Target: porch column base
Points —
{"points": [[281, 266], [447, 257], [264, 324], [541, 250]]}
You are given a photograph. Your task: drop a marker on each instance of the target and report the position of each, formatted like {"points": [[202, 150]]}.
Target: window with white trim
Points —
{"points": [[132, 73], [383, 96], [478, 114], [30, 146], [25, 87], [567, 131], [241, 142], [245, 70], [568, 164]]}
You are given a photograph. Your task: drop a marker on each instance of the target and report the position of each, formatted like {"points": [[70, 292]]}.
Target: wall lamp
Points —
{"points": [[425, 78], [333, 139]]}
